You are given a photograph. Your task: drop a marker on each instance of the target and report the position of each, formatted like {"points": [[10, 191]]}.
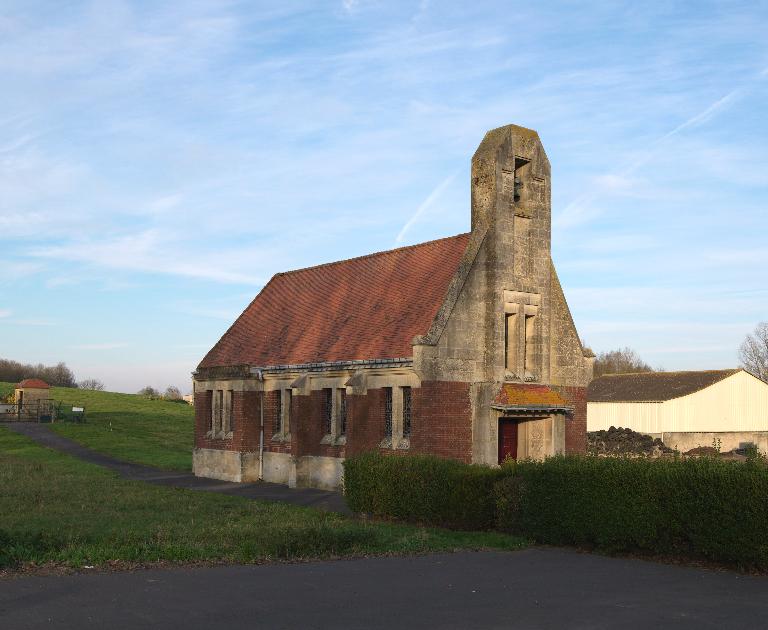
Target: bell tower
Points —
{"points": [[511, 203]]}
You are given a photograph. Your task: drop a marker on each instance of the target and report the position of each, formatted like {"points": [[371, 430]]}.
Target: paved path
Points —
{"points": [[533, 588], [308, 497]]}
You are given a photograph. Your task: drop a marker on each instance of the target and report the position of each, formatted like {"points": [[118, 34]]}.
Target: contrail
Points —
{"points": [[433, 196], [571, 212]]}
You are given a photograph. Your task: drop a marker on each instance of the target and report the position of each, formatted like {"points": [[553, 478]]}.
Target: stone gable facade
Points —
{"points": [[473, 356]]}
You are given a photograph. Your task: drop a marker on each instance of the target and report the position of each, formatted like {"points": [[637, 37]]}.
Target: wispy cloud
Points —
{"points": [[4, 312], [582, 209], [146, 251], [180, 153], [31, 322]]}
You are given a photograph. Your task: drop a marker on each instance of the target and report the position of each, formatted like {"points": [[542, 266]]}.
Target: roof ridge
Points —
{"points": [[671, 372], [371, 255]]}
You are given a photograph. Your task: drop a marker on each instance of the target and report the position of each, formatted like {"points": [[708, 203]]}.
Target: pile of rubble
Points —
{"points": [[625, 442]]}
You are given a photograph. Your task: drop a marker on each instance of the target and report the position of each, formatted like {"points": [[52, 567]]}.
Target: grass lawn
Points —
{"points": [[129, 427], [57, 510]]}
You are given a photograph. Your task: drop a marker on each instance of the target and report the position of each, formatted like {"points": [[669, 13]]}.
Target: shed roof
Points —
{"points": [[369, 307], [33, 383], [652, 386]]}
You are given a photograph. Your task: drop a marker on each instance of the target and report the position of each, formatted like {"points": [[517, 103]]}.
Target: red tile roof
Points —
{"points": [[33, 383], [363, 308], [534, 396]]}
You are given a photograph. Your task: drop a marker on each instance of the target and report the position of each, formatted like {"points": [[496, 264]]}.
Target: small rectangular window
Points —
{"points": [[327, 411], [287, 401], [342, 412], [406, 412], [388, 411], [231, 411], [530, 327], [219, 409], [212, 401], [510, 339], [278, 428]]}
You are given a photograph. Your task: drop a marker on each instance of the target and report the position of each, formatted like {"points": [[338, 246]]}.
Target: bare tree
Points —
{"points": [[753, 352], [172, 393], [621, 361], [91, 383]]}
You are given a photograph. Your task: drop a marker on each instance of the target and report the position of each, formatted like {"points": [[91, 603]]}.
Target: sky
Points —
{"points": [[159, 162]]}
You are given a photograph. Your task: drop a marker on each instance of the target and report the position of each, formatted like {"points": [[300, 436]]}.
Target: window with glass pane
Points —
{"points": [[327, 410], [388, 411], [231, 411], [219, 410], [406, 411], [342, 412]]}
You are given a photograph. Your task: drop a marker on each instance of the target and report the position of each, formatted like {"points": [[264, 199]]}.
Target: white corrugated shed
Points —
{"points": [[736, 403]]}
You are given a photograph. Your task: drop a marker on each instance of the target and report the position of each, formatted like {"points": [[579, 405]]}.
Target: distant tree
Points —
{"points": [[621, 361], [58, 375], [172, 393], [91, 383], [753, 352], [149, 392]]}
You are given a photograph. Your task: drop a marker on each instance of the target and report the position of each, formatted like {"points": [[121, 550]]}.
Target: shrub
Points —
{"points": [[423, 489], [699, 507]]}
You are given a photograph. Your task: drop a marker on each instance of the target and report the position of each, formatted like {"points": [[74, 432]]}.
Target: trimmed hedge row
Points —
{"points": [[702, 508], [422, 489], [698, 507]]}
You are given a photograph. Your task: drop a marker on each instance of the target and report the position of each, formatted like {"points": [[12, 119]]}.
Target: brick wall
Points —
{"points": [[307, 430], [442, 420], [203, 404], [246, 408], [245, 414], [576, 425], [365, 421], [272, 424]]}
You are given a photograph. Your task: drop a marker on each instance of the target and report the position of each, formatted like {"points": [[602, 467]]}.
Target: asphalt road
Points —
{"points": [[533, 588]]}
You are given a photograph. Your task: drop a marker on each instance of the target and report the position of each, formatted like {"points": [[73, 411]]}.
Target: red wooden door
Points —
{"points": [[507, 439]]}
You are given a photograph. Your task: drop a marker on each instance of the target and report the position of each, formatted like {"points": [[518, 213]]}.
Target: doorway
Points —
{"points": [[507, 439]]}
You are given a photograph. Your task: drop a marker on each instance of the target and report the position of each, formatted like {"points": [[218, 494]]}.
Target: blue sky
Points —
{"points": [[160, 161]]}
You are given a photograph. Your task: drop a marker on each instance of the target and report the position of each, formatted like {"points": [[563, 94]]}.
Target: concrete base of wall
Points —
{"points": [[728, 440], [279, 468], [218, 464], [319, 472], [303, 472]]}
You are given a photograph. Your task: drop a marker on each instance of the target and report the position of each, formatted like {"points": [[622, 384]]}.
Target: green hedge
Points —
{"points": [[422, 489], [701, 508], [698, 508]]}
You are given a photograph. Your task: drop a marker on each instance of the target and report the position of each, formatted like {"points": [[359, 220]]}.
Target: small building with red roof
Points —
{"points": [[30, 390], [463, 347]]}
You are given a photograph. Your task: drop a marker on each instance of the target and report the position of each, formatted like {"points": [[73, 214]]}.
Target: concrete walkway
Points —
{"points": [[307, 497], [532, 588]]}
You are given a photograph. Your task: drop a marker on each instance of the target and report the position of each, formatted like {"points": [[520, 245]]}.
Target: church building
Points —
{"points": [[463, 347]]}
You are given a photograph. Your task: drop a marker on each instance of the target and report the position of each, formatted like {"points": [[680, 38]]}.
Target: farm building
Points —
{"points": [[463, 347], [31, 402], [684, 409]]}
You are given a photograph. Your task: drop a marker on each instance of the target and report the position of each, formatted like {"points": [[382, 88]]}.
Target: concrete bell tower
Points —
{"points": [[511, 200]]}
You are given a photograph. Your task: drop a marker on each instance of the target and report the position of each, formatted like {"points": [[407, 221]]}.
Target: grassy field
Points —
{"points": [[57, 510], [128, 426]]}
